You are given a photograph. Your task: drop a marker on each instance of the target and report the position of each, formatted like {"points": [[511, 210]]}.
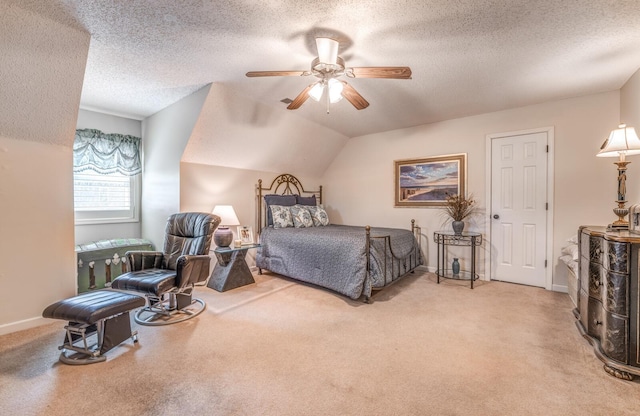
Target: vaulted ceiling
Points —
{"points": [[467, 57]]}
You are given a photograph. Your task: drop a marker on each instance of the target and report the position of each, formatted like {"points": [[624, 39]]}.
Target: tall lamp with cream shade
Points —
{"points": [[223, 236], [622, 142]]}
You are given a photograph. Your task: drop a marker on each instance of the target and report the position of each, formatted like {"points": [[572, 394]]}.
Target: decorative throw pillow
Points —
{"points": [[275, 199], [301, 216], [281, 216], [319, 216]]}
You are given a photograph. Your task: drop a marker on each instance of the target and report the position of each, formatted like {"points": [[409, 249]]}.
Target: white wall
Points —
{"points": [[237, 141], [42, 71], [630, 114], [218, 127], [107, 123], [238, 132], [37, 258], [359, 184], [204, 187], [164, 138]]}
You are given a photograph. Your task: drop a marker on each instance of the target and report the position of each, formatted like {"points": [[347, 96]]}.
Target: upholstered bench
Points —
{"points": [[103, 313]]}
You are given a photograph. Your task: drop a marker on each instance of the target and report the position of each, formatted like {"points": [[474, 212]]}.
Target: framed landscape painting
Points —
{"points": [[426, 182]]}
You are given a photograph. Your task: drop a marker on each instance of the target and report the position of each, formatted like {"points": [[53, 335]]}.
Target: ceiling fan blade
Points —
{"points": [[390, 72], [300, 99], [277, 73], [354, 97]]}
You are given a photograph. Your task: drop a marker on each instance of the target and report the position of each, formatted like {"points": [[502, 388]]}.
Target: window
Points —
{"points": [[105, 198], [106, 177]]}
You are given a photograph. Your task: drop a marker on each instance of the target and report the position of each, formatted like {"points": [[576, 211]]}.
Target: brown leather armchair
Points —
{"points": [[167, 278]]}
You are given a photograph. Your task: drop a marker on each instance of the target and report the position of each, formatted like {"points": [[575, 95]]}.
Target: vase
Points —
{"points": [[455, 267], [223, 236], [458, 226]]}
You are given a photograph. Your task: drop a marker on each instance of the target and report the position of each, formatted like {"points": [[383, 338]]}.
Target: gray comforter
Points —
{"points": [[334, 256]]}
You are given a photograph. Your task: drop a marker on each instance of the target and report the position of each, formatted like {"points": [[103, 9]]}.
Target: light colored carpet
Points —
{"points": [[283, 348]]}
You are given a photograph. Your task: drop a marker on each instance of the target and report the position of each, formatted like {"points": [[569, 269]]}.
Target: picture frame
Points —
{"points": [[426, 182], [245, 234]]}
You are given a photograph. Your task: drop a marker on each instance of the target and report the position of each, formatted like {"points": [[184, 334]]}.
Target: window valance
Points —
{"points": [[106, 153]]}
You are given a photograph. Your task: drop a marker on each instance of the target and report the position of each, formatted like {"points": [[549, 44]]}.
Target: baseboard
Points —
{"points": [[554, 288], [22, 325], [560, 288]]}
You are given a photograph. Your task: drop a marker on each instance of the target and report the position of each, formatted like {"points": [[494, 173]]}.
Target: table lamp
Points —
{"points": [[622, 142], [223, 236]]}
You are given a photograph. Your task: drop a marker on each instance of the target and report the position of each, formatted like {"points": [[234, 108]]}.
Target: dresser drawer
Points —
{"points": [[590, 276], [594, 318], [583, 302], [583, 244], [615, 337], [617, 257], [615, 294], [592, 247], [594, 279], [611, 330]]}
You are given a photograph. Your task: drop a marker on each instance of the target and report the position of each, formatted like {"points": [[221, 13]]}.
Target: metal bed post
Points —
{"points": [[368, 247], [259, 203]]}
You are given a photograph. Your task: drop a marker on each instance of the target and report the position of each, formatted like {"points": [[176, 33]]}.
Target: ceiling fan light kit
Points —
{"points": [[328, 66], [316, 91], [335, 88]]}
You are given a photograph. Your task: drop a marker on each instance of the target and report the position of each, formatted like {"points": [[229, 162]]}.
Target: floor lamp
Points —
{"points": [[622, 142]]}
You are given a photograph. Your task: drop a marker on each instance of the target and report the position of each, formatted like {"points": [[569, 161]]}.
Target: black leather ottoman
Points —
{"points": [[103, 313]]}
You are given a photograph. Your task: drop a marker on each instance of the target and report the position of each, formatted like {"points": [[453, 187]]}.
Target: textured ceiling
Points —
{"points": [[467, 57]]}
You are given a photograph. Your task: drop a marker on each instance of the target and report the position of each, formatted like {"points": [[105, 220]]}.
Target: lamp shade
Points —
{"points": [[621, 141], [227, 215], [223, 236]]}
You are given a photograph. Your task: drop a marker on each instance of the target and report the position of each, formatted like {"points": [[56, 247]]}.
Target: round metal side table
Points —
{"points": [[449, 238]]}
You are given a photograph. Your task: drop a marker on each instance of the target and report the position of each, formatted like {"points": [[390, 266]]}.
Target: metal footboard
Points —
{"points": [[412, 258]]}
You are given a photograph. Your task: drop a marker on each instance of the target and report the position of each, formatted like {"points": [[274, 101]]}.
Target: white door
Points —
{"points": [[519, 208]]}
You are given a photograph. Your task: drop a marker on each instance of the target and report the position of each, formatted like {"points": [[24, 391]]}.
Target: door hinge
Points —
{"points": [[546, 206], [545, 264], [547, 148]]}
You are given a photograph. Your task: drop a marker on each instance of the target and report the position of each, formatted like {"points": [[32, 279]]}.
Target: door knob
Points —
{"points": [[496, 217]]}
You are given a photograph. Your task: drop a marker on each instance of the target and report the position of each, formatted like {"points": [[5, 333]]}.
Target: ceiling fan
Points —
{"points": [[329, 67]]}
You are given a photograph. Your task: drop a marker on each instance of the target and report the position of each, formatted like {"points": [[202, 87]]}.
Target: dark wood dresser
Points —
{"points": [[608, 301]]}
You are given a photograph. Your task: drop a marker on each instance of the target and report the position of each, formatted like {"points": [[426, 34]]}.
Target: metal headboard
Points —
{"points": [[285, 184]]}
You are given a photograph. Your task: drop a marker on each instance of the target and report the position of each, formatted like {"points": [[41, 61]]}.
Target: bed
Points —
{"points": [[354, 261], [570, 256]]}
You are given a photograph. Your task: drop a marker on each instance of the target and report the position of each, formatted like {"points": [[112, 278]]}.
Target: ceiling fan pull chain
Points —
{"points": [[326, 93]]}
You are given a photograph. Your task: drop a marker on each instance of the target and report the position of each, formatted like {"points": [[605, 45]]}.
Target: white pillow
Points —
{"points": [[319, 216], [571, 264], [301, 216], [281, 216], [572, 250]]}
